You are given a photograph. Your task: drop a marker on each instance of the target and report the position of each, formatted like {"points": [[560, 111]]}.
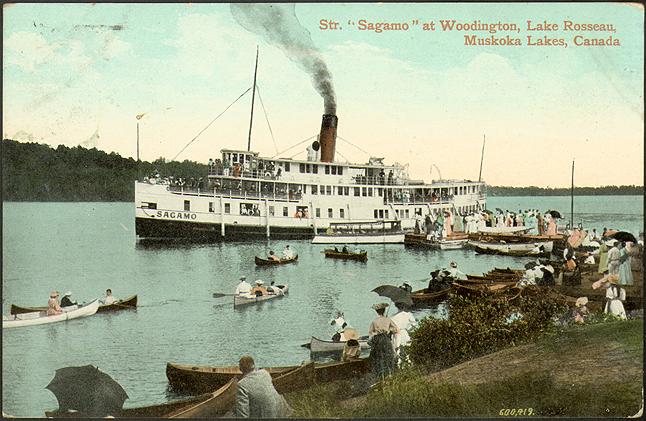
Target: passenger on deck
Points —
{"points": [[272, 256], [109, 299], [66, 300], [53, 308], [243, 289]]}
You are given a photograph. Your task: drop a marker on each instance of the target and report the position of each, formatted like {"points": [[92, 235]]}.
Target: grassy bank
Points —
{"points": [[580, 371]]}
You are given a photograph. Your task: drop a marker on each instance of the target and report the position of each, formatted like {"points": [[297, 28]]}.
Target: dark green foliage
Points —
{"points": [[35, 172], [477, 326], [630, 190]]}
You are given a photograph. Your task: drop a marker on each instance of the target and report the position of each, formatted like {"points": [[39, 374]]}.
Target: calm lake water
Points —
{"points": [[88, 247]]}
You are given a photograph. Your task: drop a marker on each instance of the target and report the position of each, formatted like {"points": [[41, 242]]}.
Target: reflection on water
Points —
{"points": [[83, 247]]}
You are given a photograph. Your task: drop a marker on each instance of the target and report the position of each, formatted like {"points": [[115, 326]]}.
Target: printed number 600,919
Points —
{"points": [[516, 412]]}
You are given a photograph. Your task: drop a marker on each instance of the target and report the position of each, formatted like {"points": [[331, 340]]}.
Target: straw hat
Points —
{"points": [[242, 278], [453, 264], [259, 282], [613, 279], [53, 294], [67, 294], [350, 334], [379, 306], [581, 301]]}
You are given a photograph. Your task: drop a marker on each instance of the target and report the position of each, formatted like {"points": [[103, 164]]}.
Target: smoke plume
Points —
{"points": [[278, 24]]}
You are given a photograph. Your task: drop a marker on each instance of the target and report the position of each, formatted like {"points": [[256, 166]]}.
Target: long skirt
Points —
{"points": [[625, 273], [382, 356]]}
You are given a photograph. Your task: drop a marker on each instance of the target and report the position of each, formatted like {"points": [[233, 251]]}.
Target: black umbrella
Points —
{"points": [[623, 236], [500, 210], [87, 390], [555, 214], [396, 294], [531, 265]]}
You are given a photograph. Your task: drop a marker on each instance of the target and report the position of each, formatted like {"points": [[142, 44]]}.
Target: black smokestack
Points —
{"points": [[278, 24]]}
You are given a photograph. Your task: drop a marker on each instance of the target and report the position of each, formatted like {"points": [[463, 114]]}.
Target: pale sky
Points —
{"points": [[78, 74]]}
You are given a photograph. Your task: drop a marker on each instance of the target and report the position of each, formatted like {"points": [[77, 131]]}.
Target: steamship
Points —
{"points": [[248, 195]]}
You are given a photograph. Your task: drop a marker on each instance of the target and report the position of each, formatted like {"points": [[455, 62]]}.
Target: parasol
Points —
{"points": [[555, 214], [88, 390], [500, 210], [396, 294], [623, 236], [531, 265]]}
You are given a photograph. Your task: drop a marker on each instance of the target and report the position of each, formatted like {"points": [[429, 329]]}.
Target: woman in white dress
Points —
{"points": [[614, 297], [404, 321]]}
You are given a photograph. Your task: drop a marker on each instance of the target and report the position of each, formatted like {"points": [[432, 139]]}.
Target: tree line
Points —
{"points": [[39, 173]]}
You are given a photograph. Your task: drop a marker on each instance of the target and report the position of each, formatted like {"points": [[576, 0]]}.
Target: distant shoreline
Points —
{"points": [[33, 172]]}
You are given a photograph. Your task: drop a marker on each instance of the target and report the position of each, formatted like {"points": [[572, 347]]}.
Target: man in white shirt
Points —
{"points": [[287, 253], [244, 288], [456, 273], [109, 299]]}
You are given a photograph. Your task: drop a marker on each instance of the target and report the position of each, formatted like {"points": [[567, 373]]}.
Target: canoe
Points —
{"points": [[510, 252], [41, 317], [268, 262], [127, 303], [200, 379], [242, 301], [193, 379], [423, 297], [320, 346], [361, 256], [214, 404]]}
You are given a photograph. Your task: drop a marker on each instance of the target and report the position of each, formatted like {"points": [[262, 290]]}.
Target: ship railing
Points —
{"points": [[237, 193], [255, 173], [377, 180], [421, 200]]}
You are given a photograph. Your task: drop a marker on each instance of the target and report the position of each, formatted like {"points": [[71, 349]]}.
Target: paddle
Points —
{"points": [[222, 294]]}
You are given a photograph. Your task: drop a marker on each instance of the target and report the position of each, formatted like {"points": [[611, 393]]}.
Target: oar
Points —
{"points": [[222, 294]]}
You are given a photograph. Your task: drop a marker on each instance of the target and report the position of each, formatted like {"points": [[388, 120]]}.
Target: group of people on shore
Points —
{"points": [[54, 307]]}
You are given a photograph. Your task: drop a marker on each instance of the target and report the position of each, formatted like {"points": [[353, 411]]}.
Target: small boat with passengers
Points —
{"points": [[322, 346], [363, 232], [41, 317], [361, 256], [240, 300], [126, 303], [268, 262]]}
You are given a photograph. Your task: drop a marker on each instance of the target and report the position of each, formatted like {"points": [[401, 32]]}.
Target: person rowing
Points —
{"points": [[244, 288], [109, 299], [66, 301], [272, 256], [53, 308]]}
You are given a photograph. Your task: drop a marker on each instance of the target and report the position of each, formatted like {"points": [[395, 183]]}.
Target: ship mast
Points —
{"points": [[253, 97], [484, 138]]}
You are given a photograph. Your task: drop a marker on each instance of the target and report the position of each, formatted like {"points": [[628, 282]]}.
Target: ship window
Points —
{"points": [[370, 191], [227, 208], [381, 213], [327, 169], [148, 205], [211, 207], [314, 189], [386, 214], [363, 191], [286, 166], [346, 190], [187, 205], [380, 192], [407, 214], [301, 167], [340, 171], [357, 191], [235, 157], [333, 169], [340, 191], [304, 189], [329, 213], [341, 213], [315, 169], [271, 211], [376, 214], [318, 212], [285, 211], [328, 190]]}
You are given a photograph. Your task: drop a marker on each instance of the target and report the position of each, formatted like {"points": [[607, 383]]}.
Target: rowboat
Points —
{"points": [[504, 230], [242, 301], [509, 252], [320, 346], [127, 303], [366, 232], [482, 289], [452, 242], [361, 256], [512, 247], [200, 379], [41, 317], [267, 262], [424, 297]]}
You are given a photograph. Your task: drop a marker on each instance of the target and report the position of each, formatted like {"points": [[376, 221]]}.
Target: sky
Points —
{"points": [[78, 74]]}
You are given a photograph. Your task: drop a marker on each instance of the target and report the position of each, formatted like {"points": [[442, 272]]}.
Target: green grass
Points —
{"points": [[536, 392]]}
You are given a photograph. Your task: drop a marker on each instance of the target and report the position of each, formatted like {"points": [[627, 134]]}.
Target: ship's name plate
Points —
{"points": [[176, 215]]}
